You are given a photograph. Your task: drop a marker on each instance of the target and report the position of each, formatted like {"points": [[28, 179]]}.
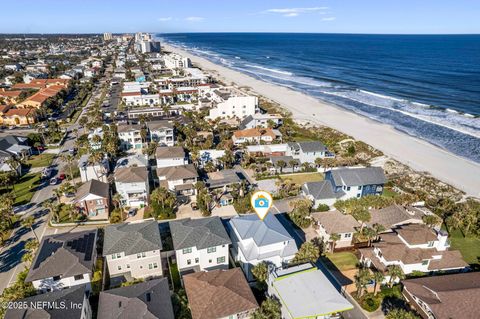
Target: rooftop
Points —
{"points": [[200, 233]]}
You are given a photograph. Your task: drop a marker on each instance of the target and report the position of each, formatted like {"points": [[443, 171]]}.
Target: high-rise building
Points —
{"points": [[107, 36]]}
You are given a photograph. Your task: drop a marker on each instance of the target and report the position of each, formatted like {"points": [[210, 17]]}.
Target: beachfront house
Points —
{"points": [[415, 248], [261, 120], [356, 182], [256, 136], [308, 152], [229, 102]]}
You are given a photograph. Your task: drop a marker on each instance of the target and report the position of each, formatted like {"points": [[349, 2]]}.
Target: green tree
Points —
{"points": [[260, 272], [300, 213], [378, 277], [362, 278], [180, 305], [281, 164], [362, 215], [395, 273], [431, 220], [334, 238], [308, 252], [28, 222], [269, 309]]}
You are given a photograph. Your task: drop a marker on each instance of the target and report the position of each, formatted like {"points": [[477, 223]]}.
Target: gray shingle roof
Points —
{"points": [[73, 295], [155, 125], [93, 187], [358, 176], [64, 255], [200, 233], [173, 173], [336, 222], [148, 300], [394, 215], [132, 238], [319, 190]]}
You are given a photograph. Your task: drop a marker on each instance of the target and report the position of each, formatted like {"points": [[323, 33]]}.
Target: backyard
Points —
{"points": [[299, 179], [468, 246], [41, 160], [343, 260]]}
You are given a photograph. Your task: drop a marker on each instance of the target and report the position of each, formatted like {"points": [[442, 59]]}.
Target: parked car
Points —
{"points": [[53, 181], [132, 212], [61, 176], [73, 151]]}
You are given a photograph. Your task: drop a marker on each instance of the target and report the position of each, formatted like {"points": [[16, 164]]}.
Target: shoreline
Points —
{"points": [[420, 155]]}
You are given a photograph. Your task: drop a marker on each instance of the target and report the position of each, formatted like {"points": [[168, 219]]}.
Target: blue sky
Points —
{"points": [[345, 16]]}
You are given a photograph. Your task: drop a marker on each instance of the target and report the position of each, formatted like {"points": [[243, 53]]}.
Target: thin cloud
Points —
{"points": [[295, 12], [328, 19], [194, 19], [164, 19]]}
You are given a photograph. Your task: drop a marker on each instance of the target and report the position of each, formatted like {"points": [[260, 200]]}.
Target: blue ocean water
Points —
{"points": [[425, 85]]}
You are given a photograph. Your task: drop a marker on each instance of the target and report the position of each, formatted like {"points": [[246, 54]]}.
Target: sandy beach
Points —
{"points": [[418, 154]]}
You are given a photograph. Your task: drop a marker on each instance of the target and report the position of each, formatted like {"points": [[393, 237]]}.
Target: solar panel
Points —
{"points": [[90, 247]]}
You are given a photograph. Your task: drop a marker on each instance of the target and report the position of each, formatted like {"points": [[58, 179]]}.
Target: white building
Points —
{"points": [[255, 241], [179, 179], [413, 247], [89, 171], [308, 152], [176, 61], [130, 136], [132, 183], [138, 260], [170, 156], [230, 102], [139, 99], [200, 244], [107, 36], [261, 120], [69, 262], [161, 132]]}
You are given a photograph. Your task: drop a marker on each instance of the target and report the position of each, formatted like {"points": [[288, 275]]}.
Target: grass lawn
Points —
{"points": [[41, 160], [388, 192], [25, 188], [343, 260], [468, 246], [303, 178]]}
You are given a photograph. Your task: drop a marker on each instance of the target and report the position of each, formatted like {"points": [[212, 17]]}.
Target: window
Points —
{"points": [[348, 188], [196, 260], [144, 255], [150, 266], [55, 278], [430, 244], [424, 262], [211, 250], [220, 260], [209, 261], [359, 187], [99, 201], [189, 261], [155, 265], [187, 250], [78, 277], [114, 256], [128, 266], [119, 267], [119, 256], [348, 235], [149, 297]]}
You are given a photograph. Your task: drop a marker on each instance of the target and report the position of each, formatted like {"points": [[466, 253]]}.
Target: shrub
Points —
{"points": [[370, 302], [116, 216], [322, 208]]}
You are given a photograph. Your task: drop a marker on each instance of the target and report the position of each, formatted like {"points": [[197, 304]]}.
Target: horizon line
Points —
{"points": [[227, 32]]}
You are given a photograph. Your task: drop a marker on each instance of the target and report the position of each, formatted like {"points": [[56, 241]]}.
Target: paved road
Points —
{"points": [[11, 254]]}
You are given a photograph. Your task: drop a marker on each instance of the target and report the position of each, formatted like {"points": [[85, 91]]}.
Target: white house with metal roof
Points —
{"points": [[132, 250], [305, 292], [255, 241]]}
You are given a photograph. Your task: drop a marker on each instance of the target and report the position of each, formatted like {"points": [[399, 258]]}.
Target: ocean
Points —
{"points": [[427, 86]]}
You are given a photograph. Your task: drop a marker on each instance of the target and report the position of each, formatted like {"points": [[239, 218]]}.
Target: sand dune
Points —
{"points": [[418, 154]]}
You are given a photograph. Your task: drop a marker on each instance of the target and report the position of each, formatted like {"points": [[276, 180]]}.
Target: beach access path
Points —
{"points": [[416, 153]]}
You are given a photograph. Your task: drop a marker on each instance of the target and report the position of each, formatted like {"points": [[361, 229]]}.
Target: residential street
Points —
{"points": [[11, 254]]}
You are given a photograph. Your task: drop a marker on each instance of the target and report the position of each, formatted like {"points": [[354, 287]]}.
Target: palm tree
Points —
{"points": [[282, 164], [69, 159], [395, 272], [28, 223], [362, 278], [334, 238], [95, 158], [293, 164], [117, 200], [58, 194], [378, 277]]}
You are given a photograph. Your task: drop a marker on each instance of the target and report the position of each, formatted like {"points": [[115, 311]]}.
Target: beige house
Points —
{"points": [[335, 222], [132, 251]]}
